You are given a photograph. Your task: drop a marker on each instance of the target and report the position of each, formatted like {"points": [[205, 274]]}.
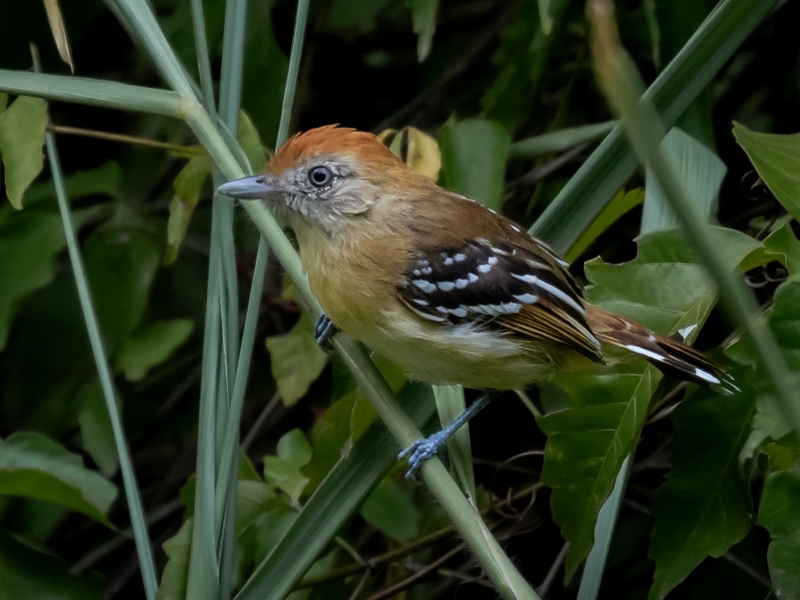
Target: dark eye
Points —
{"points": [[320, 176]]}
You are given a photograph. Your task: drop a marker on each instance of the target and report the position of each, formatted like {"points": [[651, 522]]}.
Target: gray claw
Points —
{"points": [[419, 452], [324, 330]]}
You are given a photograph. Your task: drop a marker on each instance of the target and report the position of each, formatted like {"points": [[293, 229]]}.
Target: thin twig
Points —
{"points": [[551, 574], [360, 585], [186, 151], [409, 581], [273, 403]]}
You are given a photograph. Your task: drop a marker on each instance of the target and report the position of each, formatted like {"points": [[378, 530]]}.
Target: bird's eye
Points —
{"points": [[320, 176]]}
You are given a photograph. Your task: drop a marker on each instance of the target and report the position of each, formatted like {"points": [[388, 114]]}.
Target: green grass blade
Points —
{"points": [[230, 86], [603, 532], [613, 162], [558, 141], [341, 494], [450, 404], [201, 49], [94, 92], [132, 494], [644, 128]]}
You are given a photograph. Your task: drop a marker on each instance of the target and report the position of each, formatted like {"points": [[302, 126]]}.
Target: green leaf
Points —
{"points": [[783, 243], [344, 14], [619, 205], [586, 445], [97, 437], [390, 509], [283, 470], [704, 506], [22, 129], [187, 185], [474, 154], [104, 180], [33, 575], [664, 283], [423, 16], [121, 261], [558, 141], [698, 170], [251, 143], [29, 244], [296, 359], [654, 30], [777, 159], [544, 16], [779, 512], [151, 346], [176, 572], [34, 466]]}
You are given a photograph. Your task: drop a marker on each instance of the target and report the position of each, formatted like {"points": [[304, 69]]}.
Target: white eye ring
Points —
{"points": [[320, 176]]}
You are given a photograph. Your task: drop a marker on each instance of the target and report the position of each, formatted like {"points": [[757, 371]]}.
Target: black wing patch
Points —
{"points": [[510, 286]]}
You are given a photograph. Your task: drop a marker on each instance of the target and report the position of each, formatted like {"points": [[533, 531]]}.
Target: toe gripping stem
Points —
{"points": [[420, 451], [324, 330]]}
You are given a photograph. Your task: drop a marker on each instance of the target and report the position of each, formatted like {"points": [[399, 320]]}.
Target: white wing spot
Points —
{"points": [[485, 268], [421, 302], [472, 277], [492, 260], [422, 263], [459, 312], [460, 257], [417, 272], [425, 286], [461, 283], [427, 270], [552, 289], [526, 298], [448, 261], [446, 286], [511, 307], [515, 228]]}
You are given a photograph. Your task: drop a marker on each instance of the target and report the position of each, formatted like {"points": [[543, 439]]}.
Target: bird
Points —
{"points": [[450, 290]]}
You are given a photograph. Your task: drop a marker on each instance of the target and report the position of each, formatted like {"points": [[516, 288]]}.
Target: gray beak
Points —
{"points": [[257, 187]]}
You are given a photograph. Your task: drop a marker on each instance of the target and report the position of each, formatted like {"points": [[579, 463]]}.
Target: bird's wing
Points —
{"points": [[516, 285]]}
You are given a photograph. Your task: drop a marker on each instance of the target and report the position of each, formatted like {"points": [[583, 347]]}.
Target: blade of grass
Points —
{"points": [[558, 141], [339, 495], [645, 129], [201, 50], [94, 92], [613, 162], [132, 494], [450, 404]]}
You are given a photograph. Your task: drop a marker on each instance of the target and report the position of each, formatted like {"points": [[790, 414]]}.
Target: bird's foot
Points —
{"points": [[324, 330], [420, 451]]}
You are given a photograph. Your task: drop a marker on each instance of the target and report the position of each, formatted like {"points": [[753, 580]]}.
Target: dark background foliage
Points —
{"points": [[359, 69]]}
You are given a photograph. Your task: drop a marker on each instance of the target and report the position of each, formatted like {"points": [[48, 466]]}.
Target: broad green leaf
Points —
{"points": [[344, 14], [34, 466], [28, 574], [121, 261], [283, 470], [104, 180], [474, 154], [391, 510], [777, 159], [176, 572], [22, 129], [586, 445], [151, 346], [769, 422], [619, 205], [97, 437], [698, 170], [3, 101], [296, 359], [251, 143], [423, 16], [704, 506], [450, 404], [664, 283], [187, 185], [29, 244], [783, 243], [779, 512]]}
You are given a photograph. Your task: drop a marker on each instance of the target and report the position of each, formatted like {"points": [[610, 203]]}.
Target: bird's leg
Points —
{"points": [[324, 330], [421, 450]]}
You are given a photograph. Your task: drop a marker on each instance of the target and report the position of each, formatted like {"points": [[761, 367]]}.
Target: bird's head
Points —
{"points": [[326, 179]]}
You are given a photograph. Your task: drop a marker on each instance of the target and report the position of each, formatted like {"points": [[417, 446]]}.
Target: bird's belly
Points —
{"points": [[467, 354]]}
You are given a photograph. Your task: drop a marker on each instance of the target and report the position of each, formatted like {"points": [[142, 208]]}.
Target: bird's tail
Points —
{"points": [[670, 356]]}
